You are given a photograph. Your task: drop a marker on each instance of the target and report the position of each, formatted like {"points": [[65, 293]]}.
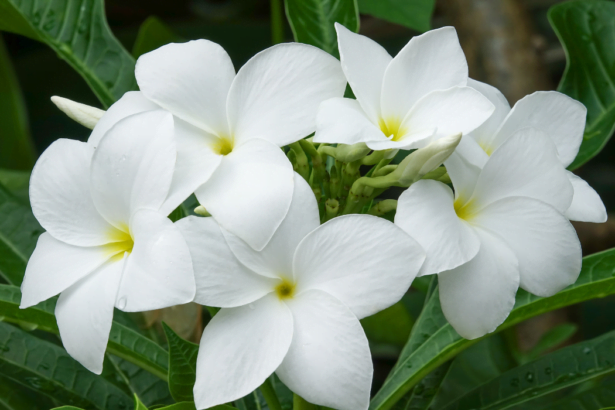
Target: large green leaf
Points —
{"points": [[433, 341], [566, 367], [13, 396], [153, 33], [391, 326], [150, 389], [19, 231], [312, 21], [16, 148], [599, 396], [78, 32], [182, 365], [123, 341], [586, 30], [17, 183], [415, 14], [48, 369]]}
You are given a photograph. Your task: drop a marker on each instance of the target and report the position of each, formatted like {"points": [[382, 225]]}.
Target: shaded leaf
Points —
{"points": [[182, 365], [553, 338], [78, 32], [16, 148], [586, 30], [153, 33], [390, 326], [150, 389], [312, 21], [414, 14], [17, 183], [16, 397], [138, 404]]}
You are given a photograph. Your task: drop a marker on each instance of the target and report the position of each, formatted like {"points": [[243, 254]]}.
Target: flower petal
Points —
{"points": [[431, 61], [55, 265], [192, 80], [471, 152], [364, 63], [276, 259], [342, 121], [277, 93], [478, 296], [85, 312], [425, 211], [586, 204], [60, 195], [544, 241], [133, 166], [250, 192], [410, 141], [329, 362], [341, 258], [485, 133], [159, 270], [221, 280], [133, 102], [451, 111], [557, 115], [524, 165], [195, 164], [239, 349]]}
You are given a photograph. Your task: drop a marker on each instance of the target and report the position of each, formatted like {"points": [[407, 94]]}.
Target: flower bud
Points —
{"points": [[420, 162], [350, 153], [83, 114]]}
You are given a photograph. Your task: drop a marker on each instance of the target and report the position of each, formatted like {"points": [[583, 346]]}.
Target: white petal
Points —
{"points": [[195, 164], [544, 241], [239, 349], [55, 265], [85, 312], [133, 102], [192, 80], [471, 152], [410, 141], [586, 204], [60, 195], [425, 211], [431, 61], [557, 115], [342, 121], [250, 192], [364, 62], [485, 134], [133, 166], [463, 172], [346, 256], [525, 165], [276, 259], [329, 362], [451, 111], [158, 272], [478, 296], [277, 93], [221, 280]]}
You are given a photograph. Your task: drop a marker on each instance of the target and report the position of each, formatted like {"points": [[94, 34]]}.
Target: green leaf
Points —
{"points": [[17, 183], [16, 148], [138, 404], [433, 341], [123, 341], [564, 368], [67, 408], [390, 326], [586, 30], [78, 32], [19, 231], [48, 369], [186, 405], [150, 389], [13, 396], [554, 337], [153, 33], [599, 396], [182, 365], [312, 21], [414, 14]]}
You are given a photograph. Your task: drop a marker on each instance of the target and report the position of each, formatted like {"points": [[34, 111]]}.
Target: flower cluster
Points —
{"points": [[292, 290]]}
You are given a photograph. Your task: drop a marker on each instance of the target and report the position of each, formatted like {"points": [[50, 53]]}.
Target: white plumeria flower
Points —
{"points": [[557, 115], [229, 128], [403, 102], [503, 228], [107, 242], [294, 307]]}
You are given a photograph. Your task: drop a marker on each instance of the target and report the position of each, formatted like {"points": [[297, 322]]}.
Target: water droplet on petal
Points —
{"points": [[121, 304]]}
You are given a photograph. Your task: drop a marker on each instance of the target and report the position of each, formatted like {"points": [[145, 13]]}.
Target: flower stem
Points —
{"points": [[277, 22], [269, 394], [300, 404]]}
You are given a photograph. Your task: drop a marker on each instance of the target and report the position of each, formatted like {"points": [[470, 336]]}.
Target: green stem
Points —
{"points": [[301, 164], [300, 404], [269, 394], [277, 22]]}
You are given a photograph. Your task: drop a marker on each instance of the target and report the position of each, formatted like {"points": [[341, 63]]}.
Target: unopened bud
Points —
{"points": [[350, 153], [424, 160], [83, 114], [200, 210]]}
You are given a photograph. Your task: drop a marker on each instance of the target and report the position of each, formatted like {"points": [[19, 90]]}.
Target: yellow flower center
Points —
{"points": [[120, 242], [286, 289], [223, 146], [391, 127], [464, 210]]}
